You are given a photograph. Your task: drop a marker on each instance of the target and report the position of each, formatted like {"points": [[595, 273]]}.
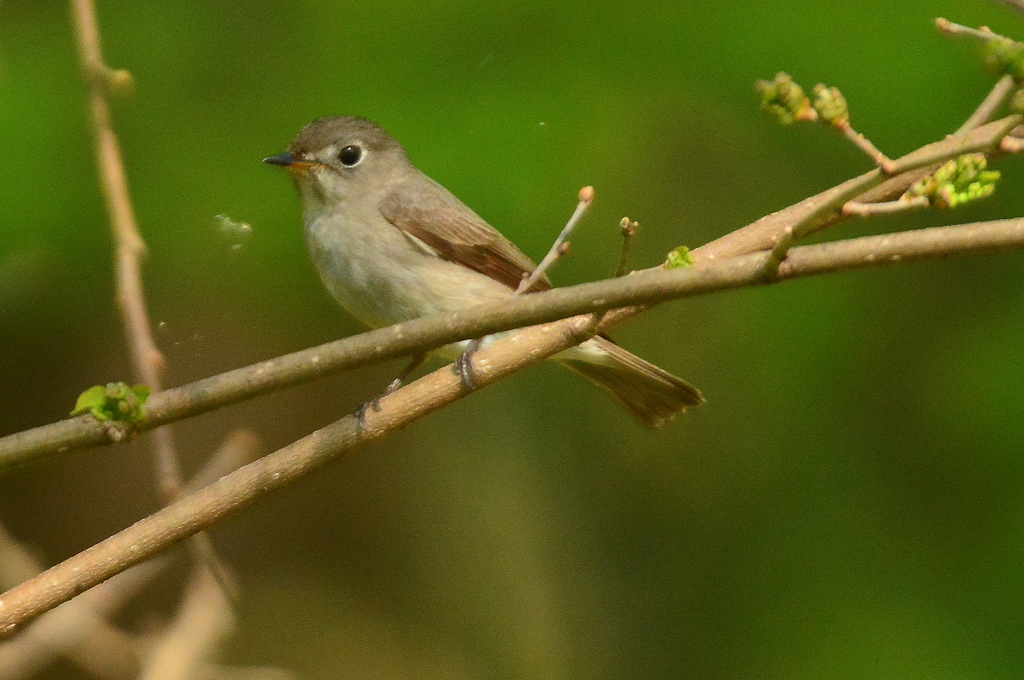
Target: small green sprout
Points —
{"points": [[958, 181], [679, 257], [114, 401]]}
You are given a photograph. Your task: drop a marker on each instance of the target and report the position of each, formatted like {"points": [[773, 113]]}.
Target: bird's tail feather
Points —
{"points": [[651, 394]]}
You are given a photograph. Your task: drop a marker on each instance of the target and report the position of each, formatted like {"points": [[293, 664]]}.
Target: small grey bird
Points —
{"points": [[391, 244]]}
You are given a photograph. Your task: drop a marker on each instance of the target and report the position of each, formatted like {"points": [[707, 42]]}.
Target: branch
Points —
{"points": [[999, 94], [147, 361], [870, 187], [78, 629], [203, 622], [1014, 4], [421, 335], [442, 387]]}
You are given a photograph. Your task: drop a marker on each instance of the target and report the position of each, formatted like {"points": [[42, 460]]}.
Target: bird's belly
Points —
{"points": [[389, 280]]}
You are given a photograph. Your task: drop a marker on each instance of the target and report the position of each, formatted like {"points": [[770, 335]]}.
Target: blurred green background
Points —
{"points": [[847, 505]]}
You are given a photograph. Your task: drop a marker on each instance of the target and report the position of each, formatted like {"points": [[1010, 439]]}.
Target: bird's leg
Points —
{"points": [[416, 362], [360, 412], [463, 366]]}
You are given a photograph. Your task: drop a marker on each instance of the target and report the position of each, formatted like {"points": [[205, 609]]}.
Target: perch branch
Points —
{"points": [[423, 334], [435, 390]]}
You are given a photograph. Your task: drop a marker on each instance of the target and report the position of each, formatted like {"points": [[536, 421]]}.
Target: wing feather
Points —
{"points": [[457, 234]]}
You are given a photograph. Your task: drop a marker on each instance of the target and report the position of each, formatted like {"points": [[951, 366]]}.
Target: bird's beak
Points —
{"points": [[289, 160]]}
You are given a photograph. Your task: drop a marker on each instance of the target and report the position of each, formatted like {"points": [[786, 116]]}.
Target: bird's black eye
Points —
{"points": [[350, 155]]}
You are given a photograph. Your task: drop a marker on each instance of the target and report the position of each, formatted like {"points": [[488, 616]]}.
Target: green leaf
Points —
{"points": [[93, 398], [113, 401]]}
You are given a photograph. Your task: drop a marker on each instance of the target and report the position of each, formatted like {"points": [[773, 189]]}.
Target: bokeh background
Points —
{"points": [[847, 505]]}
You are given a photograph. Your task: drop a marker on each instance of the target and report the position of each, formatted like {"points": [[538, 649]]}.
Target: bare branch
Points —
{"points": [[628, 231], [885, 207], [1000, 92], [204, 621], [824, 210], [868, 148], [420, 335], [147, 360], [558, 248], [438, 389]]}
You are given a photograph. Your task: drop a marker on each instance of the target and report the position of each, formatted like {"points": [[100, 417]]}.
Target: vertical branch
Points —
{"points": [[147, 360]]}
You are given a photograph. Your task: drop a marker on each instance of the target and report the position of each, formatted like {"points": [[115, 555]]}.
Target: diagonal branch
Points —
{"points": [[442, 387], [426, 333]]}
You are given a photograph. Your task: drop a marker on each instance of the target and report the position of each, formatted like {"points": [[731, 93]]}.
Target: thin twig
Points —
{"points": [[558, 248], [825, 209], [147, 360], [864, 144], [628, 230], [777, 255], [959, 30], [997, 96], [442, 387], [886, 207]]}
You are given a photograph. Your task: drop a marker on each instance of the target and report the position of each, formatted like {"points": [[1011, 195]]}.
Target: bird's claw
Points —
{"points": [[463, 367], [360, 412]]}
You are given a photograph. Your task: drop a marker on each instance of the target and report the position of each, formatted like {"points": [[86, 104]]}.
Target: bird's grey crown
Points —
{"points": [[323, 132]]}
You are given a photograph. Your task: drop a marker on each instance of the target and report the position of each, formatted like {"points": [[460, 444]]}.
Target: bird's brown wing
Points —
{"points": [[457, 234]]}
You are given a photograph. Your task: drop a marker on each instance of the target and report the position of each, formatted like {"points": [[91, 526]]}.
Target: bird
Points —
{"points": [[390, 244]]}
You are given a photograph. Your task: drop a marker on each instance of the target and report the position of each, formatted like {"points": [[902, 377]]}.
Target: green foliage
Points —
{"points": [[115, 401], [961, 180], [679, 257]]}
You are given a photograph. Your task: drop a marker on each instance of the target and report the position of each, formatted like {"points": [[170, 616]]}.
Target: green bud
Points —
{"points": [[679, 257], [1017, 102], [1003, 55], [830, 104], [959, 181], [783, 99]]}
